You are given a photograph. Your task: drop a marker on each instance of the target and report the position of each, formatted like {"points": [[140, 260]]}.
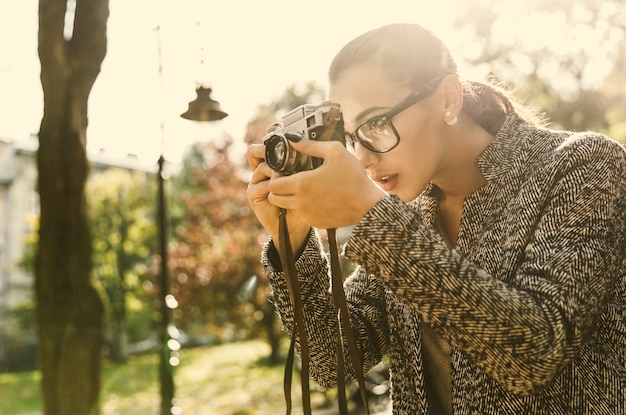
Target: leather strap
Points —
{"points": [[298, 329], [291, 276], [345, 327]]}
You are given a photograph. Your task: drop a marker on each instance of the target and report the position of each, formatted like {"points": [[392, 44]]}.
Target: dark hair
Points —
{"points": [[411, 55]]}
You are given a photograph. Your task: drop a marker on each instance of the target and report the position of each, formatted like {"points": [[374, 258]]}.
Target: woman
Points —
{"points": [[490, 250]]}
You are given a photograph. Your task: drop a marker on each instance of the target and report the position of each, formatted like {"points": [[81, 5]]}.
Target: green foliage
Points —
{"points": [[19, 338], [122, 209], [27, 263], [22, 317], [567, 58]]}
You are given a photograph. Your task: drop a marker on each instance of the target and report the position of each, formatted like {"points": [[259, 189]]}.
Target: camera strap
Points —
{"points": [[298, 329], [289, 269]]}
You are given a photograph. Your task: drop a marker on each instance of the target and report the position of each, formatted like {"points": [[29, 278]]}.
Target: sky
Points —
{"points": [[247, 51]]}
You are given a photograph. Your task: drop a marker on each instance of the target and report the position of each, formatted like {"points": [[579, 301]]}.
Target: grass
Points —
{"points": [[229, 379], [19, 393]]}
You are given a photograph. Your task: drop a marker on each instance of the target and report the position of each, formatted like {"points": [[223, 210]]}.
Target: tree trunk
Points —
{"points": [[69, 309], [273, 333], [119, 339]]}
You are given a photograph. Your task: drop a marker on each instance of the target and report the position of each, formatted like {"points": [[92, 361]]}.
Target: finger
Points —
{"points": [[257, 192], [320, 149], [281, 187], [255, 155], [281, 201], [261, 173]]}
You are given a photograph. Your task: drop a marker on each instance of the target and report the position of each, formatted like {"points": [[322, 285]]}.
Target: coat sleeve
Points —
{"points": [[525, 329], [366, 305]]}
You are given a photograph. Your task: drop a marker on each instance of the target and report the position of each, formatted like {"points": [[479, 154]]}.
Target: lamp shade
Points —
{"points": [[204, 108]]}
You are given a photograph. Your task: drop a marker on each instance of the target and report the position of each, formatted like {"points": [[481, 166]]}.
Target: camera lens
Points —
{"points": [[280, 156], [279, 152], [276, 152]]}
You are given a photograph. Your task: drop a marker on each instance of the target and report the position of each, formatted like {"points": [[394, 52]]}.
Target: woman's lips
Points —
{"points": [[387, 183]]}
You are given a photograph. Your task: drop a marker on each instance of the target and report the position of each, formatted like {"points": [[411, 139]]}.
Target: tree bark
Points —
{"points": [[69, 309]]}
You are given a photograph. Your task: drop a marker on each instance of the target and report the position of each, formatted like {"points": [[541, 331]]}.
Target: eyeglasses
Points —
{"points": [[378, 134]]}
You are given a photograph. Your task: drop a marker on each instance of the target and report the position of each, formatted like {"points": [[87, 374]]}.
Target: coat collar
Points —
{"points": [[493, 162]]}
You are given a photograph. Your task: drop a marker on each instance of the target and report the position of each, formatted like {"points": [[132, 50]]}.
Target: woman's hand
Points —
{"points": [[336, 194], [265, 211]]}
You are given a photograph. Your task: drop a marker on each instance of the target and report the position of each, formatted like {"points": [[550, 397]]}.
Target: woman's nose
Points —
{"points": [[367, 157]]}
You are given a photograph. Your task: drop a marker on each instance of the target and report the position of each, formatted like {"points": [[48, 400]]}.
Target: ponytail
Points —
{"points": [[488, 103]]}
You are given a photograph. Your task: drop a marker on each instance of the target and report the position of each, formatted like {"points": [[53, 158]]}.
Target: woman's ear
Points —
{"points": [[452, 98]]}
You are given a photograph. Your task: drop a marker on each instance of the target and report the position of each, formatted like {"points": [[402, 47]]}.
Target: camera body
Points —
{"points": [[322, 122]]}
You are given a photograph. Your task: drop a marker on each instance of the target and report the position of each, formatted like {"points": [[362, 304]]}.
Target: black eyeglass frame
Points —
{"points": [[420, 93]]}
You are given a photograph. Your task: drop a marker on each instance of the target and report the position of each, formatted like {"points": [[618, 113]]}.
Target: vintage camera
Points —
{"points": [[322, 122]]}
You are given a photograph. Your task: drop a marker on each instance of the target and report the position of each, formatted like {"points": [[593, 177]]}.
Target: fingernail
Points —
{"points": [[293, 137]]}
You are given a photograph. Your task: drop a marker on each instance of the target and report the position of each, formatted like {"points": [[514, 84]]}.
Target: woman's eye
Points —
{"points": [[378, 125]]}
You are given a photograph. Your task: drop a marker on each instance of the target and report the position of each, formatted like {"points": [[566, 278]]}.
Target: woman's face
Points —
{"points": [[364, 92]]}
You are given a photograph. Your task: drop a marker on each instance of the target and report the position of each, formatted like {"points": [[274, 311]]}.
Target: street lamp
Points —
{"points": [[203, 108]]}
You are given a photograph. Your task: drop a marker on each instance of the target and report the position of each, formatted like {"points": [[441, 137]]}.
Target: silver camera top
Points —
{"points": [[313, 122]]}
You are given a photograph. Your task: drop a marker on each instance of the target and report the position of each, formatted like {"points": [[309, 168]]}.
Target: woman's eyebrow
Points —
{"points": [[363, 114]]}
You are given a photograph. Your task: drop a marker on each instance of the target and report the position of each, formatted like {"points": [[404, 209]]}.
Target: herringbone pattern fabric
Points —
{"points": [[532, 300]]}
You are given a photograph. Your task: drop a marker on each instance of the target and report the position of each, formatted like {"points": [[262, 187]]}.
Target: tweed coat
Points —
{"points": [[532, 300]]}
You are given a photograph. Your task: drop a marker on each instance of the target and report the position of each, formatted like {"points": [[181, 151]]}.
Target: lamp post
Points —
{"points": [[165, 364], [202, 109], [167, 331]]}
